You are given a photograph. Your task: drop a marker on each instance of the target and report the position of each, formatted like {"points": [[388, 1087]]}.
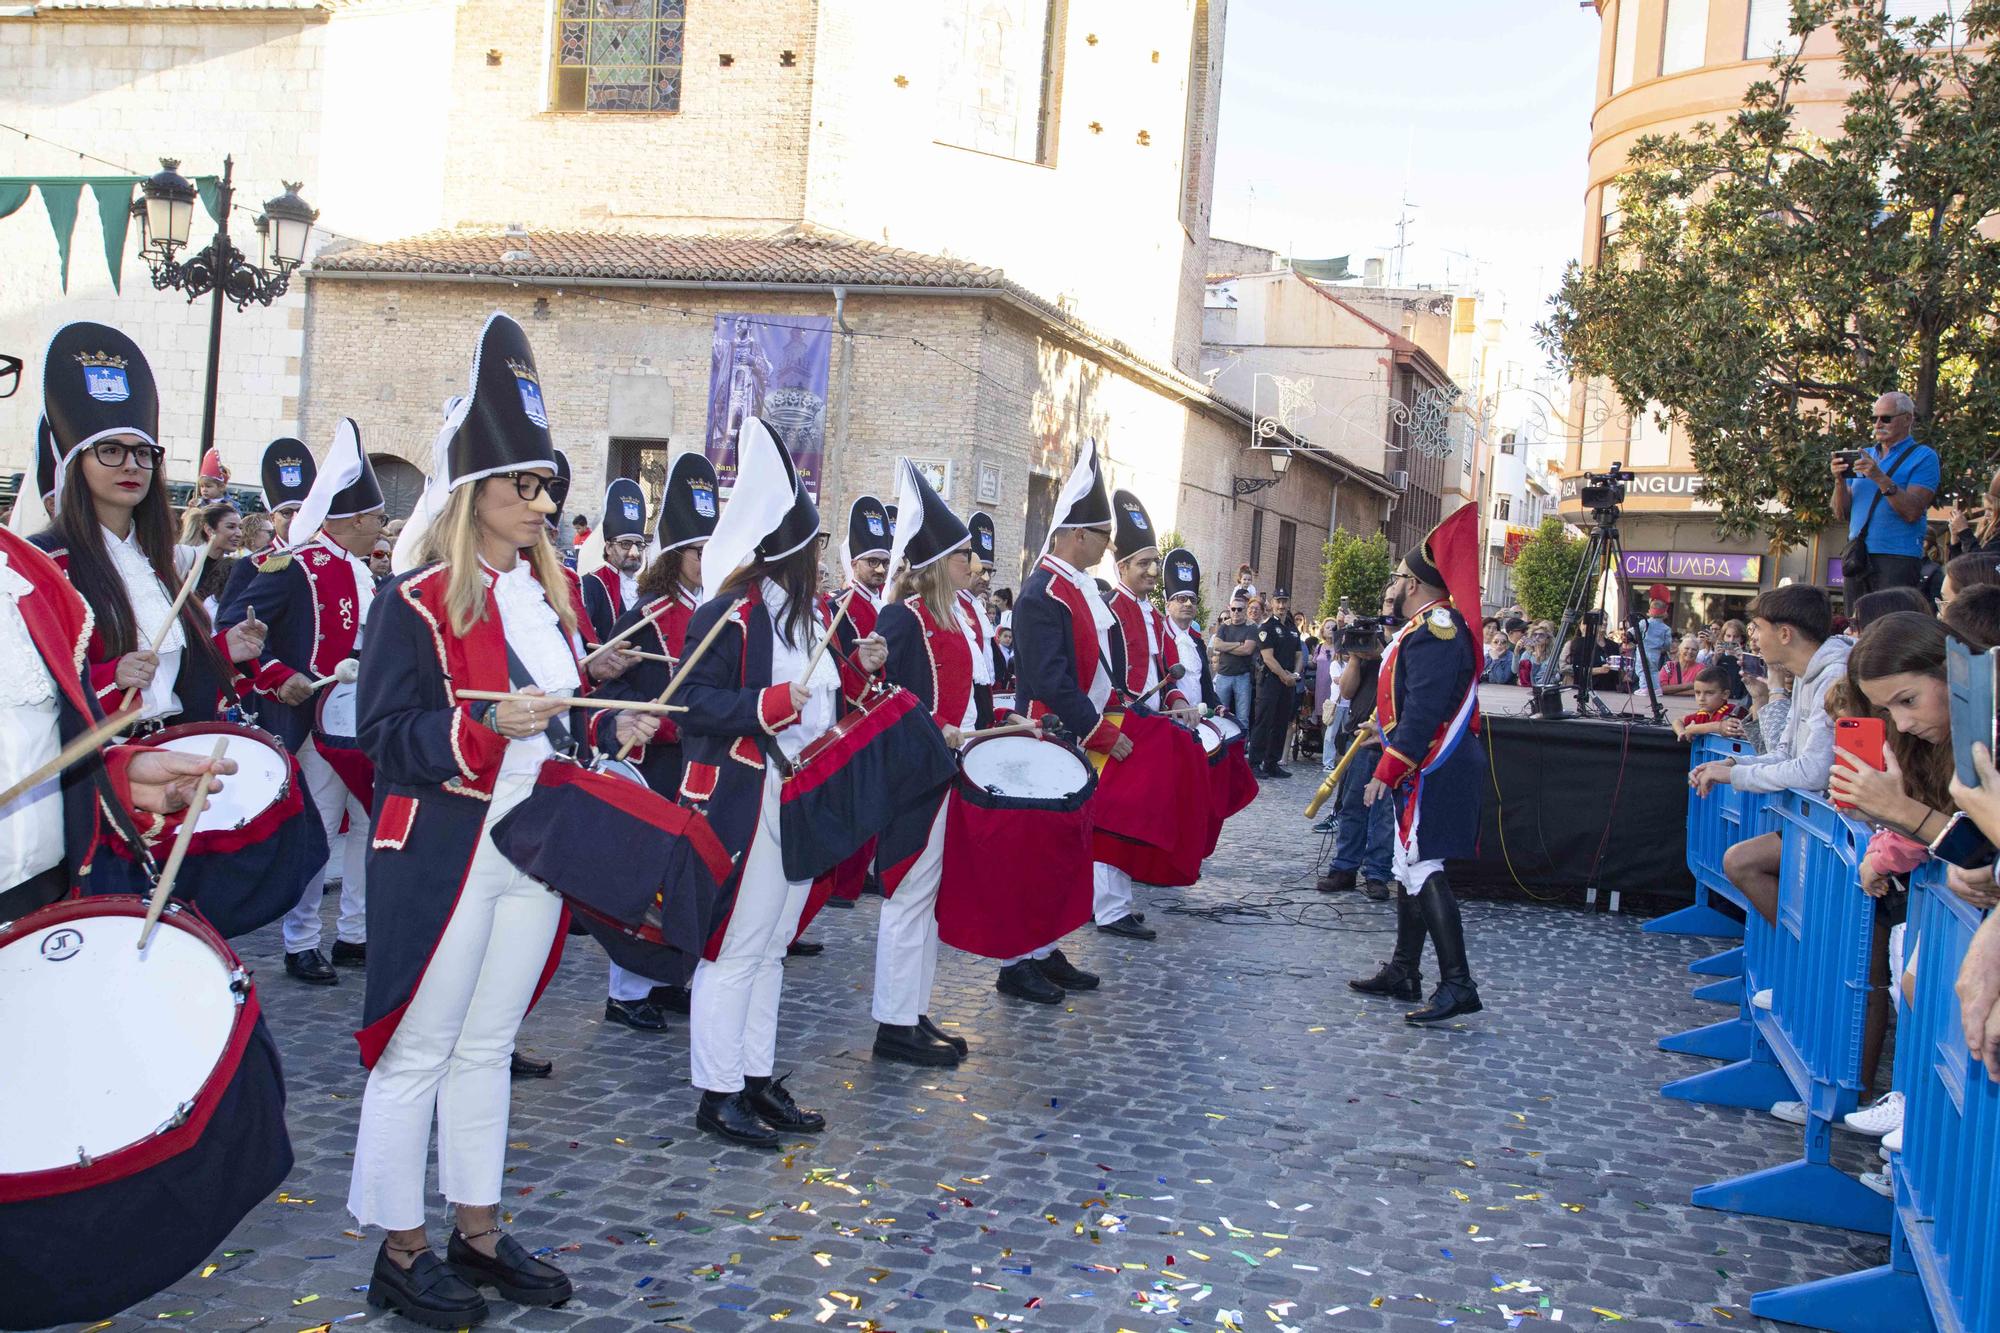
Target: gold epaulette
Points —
{"points": [[1440, 624]]}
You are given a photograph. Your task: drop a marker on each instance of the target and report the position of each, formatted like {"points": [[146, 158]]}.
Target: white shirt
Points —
{"points": [[1101, 617], [150, 601], [970, 634], [31, 825], [978, 635], [788, 663], [1187, 655], [534, 632], [628, 589]]}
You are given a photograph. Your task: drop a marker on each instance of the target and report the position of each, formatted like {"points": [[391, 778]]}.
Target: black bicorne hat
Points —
{"points": [[1132, 532], [980, 525], [801, 522], [688, 509], [96, 383], [286, 473], [363, 493], [870, 528], [933, 531], [1181, 574], [624, 510], [1085, 501], [503, 424]]}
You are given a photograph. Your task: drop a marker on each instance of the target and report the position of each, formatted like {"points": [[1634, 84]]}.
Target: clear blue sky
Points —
{"points": [[1483, 106]]}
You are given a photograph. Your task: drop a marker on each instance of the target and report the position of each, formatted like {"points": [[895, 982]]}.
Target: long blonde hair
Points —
{"points": [[454, 539], [932, 583]]}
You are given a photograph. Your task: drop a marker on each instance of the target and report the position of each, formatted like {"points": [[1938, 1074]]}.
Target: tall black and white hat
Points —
{"points": [[344, 487], [624, 510], [1132, 535], [932, 531], [980, 525], [1084, 501], [1181, 575], [96, 383], [869, 530], [769, 515], [287, 473], [559, 488], [502, 423], [688, 509]]}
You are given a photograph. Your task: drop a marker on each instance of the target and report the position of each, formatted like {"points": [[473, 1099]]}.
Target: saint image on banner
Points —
{"points": [[774, 367]]}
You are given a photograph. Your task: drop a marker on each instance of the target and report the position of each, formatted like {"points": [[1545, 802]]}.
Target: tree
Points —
{"points": [[1764, 285], [1357, 568], [1545, 569]]}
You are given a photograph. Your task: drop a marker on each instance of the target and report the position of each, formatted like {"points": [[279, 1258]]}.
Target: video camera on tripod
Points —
{"points": [[1604, 491], [1362, 634]]}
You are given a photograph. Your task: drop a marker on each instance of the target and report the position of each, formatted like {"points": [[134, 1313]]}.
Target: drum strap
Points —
{"points": [[558, 730]]}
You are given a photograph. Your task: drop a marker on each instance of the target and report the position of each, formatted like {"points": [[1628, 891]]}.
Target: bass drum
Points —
{"points": [[154, 1120], [1017, 846]]}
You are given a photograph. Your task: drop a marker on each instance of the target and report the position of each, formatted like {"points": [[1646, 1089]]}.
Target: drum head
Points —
{"points": [[1211, 736], [119, 1039], [622, 768], [1226, 727], [259, 779], [336, 710], [1022, 766]]}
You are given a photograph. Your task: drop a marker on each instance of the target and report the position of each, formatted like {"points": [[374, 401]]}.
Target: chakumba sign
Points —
{"points": [[1693, 567], [1685, 485]]}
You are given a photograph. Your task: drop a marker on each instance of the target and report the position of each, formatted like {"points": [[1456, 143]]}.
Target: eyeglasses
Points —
{"points": [[113, 453], [10, 375], [1881, 420], [630, 545], [530, 486], [1400, 577]]}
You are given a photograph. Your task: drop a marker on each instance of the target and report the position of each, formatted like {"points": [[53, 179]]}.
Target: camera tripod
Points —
{"points": [[1603, 558]]}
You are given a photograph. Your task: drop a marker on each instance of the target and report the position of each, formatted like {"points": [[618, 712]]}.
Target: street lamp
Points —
{"points": [[1280, 460], [166, 215]]}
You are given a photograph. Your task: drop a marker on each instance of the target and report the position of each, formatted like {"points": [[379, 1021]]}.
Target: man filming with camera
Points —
{"points": [[1885, 494], [1361, 832]]}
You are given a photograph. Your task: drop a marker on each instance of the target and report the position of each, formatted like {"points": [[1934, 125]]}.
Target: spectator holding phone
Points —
{"points": [[1885, 493], [1975, 528]]}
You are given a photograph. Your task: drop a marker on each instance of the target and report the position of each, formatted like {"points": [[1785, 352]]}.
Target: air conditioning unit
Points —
{"points": [[1398, 481]]}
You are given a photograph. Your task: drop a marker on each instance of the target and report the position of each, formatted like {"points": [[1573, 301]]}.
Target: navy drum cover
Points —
{"points": [[851, 783], [1152, 810], [244, 878], [630, 862], [1017, 867], [86, 1241]]}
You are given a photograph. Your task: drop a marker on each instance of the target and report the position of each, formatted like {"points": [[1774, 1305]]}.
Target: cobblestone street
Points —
{"points": [[1223, 1136]]}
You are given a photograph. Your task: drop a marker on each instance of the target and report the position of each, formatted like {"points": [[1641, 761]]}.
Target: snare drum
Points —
{"points": [[333, 737], [1151, 816], [1236, 785], [848, 784], [1017, 848], [144, 1107], [258, 841]]}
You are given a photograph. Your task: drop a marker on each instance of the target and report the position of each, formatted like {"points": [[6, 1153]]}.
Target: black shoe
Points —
{"points": [[729, 1114], [1391, 981], [523, 1067], [958, 1044], [1129, 927], [671, 999], [839, 902], [1449, 1000], [428, 1292], [639, 1014], [912, 1046], [1140, 917], [804, 949], [1327, 824], [1335, 880], [1024, 981], [1456, 994], [1399, 978], [1066, 974], [775, 1107], [312, 968], [1273, 771], [1375, 891], [349, 955], [576, 926], [518, 1275]]}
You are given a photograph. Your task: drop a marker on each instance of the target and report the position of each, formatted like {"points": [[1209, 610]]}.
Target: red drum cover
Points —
{"points": [[848, 784], [1151, 813], [1016, 865]]}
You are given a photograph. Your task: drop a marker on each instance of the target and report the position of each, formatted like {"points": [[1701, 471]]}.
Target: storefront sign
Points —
{"points": [[1693, 567], [1686, 485], [1836, 572]]}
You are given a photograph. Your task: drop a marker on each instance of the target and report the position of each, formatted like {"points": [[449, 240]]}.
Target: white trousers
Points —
{"points": [[450, 1052], [1037, 955], [906, 938], [733, 1020], [1410, 872], [1110, 893], [333, 800], [629, 986]]}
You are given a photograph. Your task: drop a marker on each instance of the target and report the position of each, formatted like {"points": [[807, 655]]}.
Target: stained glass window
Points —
{"points": [[618, 55]]}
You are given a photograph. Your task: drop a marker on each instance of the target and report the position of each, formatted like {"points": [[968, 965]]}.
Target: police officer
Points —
{"points": [[1279, 648]]}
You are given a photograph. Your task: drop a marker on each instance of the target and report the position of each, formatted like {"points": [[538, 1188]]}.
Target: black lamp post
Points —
{"points": [[166, 214], [1281, 459]]}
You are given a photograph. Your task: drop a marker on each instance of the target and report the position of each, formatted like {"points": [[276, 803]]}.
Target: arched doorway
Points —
{"points": [[402, 482]]}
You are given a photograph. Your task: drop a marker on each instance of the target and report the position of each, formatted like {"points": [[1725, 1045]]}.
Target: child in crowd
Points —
{"points": [[1714, 714]]}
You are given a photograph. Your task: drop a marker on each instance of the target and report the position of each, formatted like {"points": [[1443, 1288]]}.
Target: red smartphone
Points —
{"points": [[1862, 740]]}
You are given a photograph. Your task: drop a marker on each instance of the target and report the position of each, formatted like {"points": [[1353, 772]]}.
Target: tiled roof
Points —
{"points": [[787, 257]]}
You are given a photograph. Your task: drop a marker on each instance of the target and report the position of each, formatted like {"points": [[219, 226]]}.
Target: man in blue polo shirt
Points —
{"points": [[1884, 497]]}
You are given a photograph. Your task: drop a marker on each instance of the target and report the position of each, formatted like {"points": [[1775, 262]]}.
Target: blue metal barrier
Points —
{"points": [[1807, 1046], [1941, 1273], [1715, 823]]}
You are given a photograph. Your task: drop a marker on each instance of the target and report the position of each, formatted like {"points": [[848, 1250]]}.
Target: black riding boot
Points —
{"points": [[1401, 978], [1455, 994]]}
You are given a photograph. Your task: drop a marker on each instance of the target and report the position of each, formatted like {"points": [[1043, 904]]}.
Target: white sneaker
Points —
{"points": [[1792, 1113], [1880, 1182], [1762, 1000], [1892, 1141], [1877, 1119]]}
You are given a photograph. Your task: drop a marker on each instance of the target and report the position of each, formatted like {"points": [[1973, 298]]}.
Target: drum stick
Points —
{"points": [[164, 889], [180, 599], [613, 641], [87, 744], [674, 681], [813, 663], [346, 673], [581, 701], [1010, 729], [645, 656]]}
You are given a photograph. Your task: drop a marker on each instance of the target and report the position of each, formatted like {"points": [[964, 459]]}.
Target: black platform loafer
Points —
{"points": [[912, 1046], [1131, 928], [729, 1115], [671, 999], [349, 955], [1058, 968], [311, 967], [1024, 981], [1449, 1000], [804, 949], [516, 1274], [775, 1107], [640, 1015], [428, 1292], [522, 1066], [958, 1044]]}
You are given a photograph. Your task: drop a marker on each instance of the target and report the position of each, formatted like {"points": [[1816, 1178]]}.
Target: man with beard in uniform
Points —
{"points": [[611, 588]]}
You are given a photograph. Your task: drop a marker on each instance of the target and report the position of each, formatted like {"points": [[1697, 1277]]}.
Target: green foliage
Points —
{"points": [[1168, 541], [1357, 568], [1545, 569], [1765, 285]]}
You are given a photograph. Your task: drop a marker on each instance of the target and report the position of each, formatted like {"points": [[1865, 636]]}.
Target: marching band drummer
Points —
{"points": [[1180, 578], [610, 576], [286, 476], [933, 653], [972, 609], [667, 594], [113, 536], [462, 941], [750, 699]]}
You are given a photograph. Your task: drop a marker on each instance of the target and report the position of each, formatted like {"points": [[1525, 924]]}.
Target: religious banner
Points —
{"points": [[774, 367]]}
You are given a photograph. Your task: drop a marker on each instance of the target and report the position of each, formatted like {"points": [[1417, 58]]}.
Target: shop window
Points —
{"points": [[617, 55]]}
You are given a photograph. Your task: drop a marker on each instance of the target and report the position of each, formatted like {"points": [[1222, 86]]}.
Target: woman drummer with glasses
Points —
{"points": [[113, 535]]}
